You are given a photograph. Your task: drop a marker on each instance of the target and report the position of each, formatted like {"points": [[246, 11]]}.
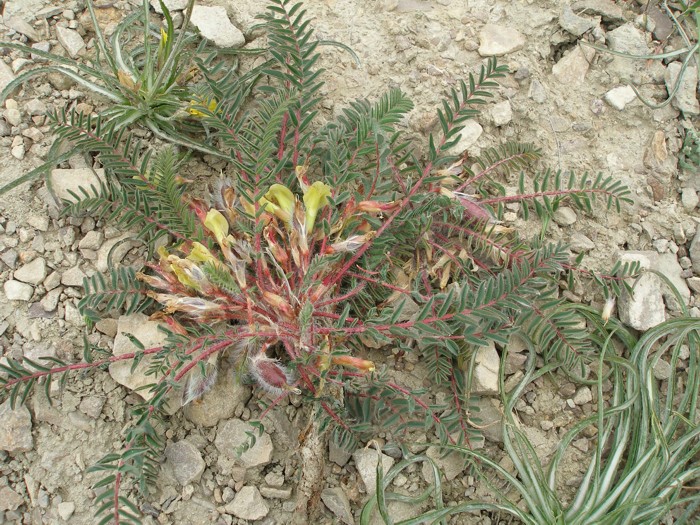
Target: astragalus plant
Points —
{"points": [[323, 241]]}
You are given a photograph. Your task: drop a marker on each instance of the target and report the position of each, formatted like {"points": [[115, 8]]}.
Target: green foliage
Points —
{"points": [[327, 240], [142, 70], [643, 467]]}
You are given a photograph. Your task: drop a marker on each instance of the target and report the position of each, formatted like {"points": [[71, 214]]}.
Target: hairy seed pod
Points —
{"points": [[271, 375]]}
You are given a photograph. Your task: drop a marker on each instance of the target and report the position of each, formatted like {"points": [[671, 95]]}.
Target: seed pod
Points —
{"points": [[271, 375]]}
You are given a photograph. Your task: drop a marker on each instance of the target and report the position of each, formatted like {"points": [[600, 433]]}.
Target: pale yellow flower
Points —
{"points": [[315, 198], [280, 201], [200, 253], [216, 223]]}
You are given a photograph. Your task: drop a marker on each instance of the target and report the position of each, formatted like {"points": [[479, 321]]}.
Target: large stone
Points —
{"points": [[65, 181], [366, 461], [71, 41], [667, 265], [629, 40], [488, 414], [574, 24], [497, 40], [573, 66], [9, 499], [213, 24], [686, 99], [33, 272], [644, 308], [15, 428], [450, 465], [233, 433], [337, 502], [467, 138], [150, 336], [186, 461], [248, 504]]}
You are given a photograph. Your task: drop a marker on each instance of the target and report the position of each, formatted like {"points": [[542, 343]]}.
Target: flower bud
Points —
{"points": [[353, 362]]}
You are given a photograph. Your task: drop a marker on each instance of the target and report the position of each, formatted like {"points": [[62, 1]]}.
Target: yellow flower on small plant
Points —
{"points": [[163, 37], [315, 198], [216, 223], [211, 106]]}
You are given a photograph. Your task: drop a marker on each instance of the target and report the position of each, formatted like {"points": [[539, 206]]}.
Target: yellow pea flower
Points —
{"points": [[163, 37], [315, 198], [216, 223], [280, 201], [195, 112]]}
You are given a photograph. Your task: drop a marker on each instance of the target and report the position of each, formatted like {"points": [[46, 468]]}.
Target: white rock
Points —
{"points": [[662, 370], [186, 461], [486, 368], [33, 272], [451, 465], [92, 240], [71, 314], [689, 199], [248, 504], [66, 510], [580, 243], [214, 25], [644, 309], [17, 291], [497, 40], [232, 434], [686, 99], [12, 116], [106, 256], [468, 137], [490, 417], [149, 335], [366, 463], [171, 5], [501, 113], [620, 96], [73, 277], [15, 428], [583, 395], [70, 40], [667, 265], [564, 216], [573, 66], [64, 181]]}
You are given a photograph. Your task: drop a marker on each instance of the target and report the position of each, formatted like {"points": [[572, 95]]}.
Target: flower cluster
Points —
{"points": [[259, 270]]}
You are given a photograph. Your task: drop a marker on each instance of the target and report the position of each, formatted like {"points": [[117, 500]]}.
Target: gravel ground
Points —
{"points": [[567, 98]]}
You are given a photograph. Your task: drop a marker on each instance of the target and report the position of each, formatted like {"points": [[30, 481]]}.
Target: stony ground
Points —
{"points": [[565, 97]]}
